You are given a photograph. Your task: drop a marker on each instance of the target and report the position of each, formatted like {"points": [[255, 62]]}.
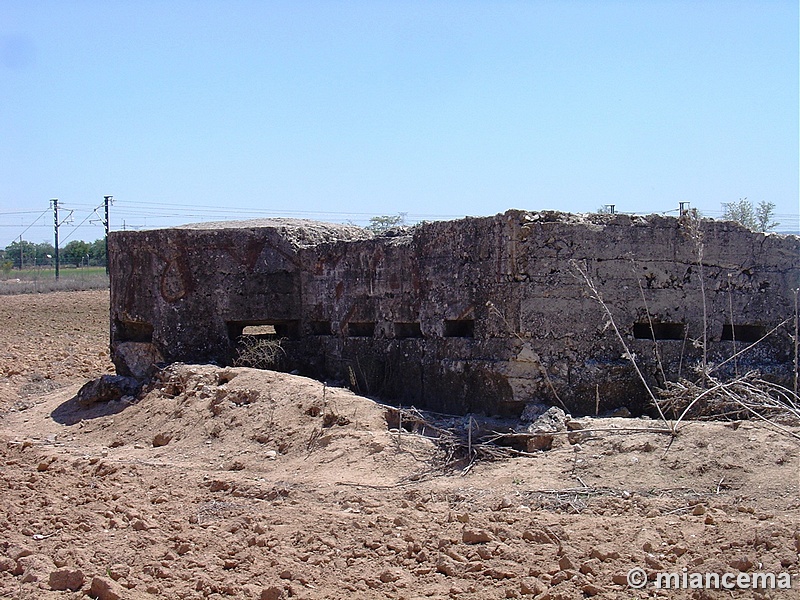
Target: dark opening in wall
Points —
{"points": [[361, 329], [743, 333], [459, 328], [407, 330], [320, 327], [267, 329], [661, 331], [134, 331]]}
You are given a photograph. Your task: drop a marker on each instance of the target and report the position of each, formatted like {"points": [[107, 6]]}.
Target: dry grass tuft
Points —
{"points": [[744, 397], [258, 353]]}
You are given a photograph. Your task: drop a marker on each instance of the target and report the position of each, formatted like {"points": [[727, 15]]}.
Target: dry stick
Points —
{"points": [[697, 236], [738, 401], [399, 427], [650, 322], [683, 351], [597, 296], [469, 438], [788, 396], [553, 389], [796, 341], [723, 387], [782, 392], [733, 328], [596, 399], [498, 435], [705, 309]]}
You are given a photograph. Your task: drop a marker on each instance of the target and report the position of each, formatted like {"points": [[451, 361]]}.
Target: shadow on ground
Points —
{"points": [[72, 412]]}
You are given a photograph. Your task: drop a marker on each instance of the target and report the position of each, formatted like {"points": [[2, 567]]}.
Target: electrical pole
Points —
{"points": [[107, 200], [21, 256], [55, 223]]}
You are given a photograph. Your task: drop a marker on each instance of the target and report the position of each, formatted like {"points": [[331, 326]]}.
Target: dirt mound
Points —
{"points": [[251, 421], [235, 483]]}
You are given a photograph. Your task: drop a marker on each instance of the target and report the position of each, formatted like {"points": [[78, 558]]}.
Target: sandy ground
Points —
{"points": [[236, 483]]}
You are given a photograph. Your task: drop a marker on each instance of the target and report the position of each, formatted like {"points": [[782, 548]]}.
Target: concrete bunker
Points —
{"points": [[475, 315]]}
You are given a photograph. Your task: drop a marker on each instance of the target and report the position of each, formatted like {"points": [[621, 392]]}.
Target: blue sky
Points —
{"points": [[206, 110]]}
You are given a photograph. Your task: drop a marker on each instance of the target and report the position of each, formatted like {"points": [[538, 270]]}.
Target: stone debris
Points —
{"points": [[162, 439], [544, 429], [107, 589], [272, 593], [66, 579], [532, 411], [106, 389], [34, 568], [139, 359], [476, 536]]}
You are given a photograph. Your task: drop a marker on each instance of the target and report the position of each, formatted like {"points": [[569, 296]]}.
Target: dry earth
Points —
{"points": [[236, 483]]}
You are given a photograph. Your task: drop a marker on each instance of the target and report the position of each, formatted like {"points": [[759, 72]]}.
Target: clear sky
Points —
{"points": [[341, 110]]}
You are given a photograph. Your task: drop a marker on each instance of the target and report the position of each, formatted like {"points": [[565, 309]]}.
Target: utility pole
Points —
{"points": [[55, 223], [21, 255], [107, 200], [56, 226]]}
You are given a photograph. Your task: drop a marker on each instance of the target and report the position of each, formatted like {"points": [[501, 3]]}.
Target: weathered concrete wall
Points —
{"points": [[482, 314]]}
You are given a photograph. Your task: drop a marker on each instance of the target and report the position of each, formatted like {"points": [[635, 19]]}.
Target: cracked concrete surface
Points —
{"points": [[480, 314]]}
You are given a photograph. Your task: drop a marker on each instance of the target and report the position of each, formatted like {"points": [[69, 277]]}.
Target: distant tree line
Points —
{"points": [[75, 253]]}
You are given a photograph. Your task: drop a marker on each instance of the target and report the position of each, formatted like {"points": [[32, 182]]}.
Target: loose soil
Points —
{"points": [[245, 484]]}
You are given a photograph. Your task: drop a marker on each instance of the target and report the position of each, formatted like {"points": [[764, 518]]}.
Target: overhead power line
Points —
{"points": [[21, 212], [151, 214]]}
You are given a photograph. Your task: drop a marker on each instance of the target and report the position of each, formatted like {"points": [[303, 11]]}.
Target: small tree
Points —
{"points": [[740, 212], [384, 222], [765, 211]]}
